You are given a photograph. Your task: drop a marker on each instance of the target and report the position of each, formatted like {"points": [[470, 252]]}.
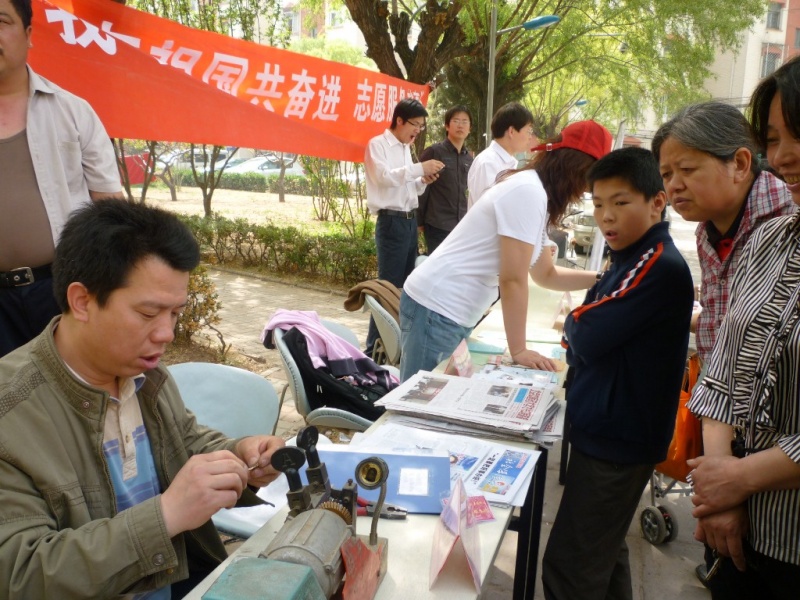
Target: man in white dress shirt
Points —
{"points": [[512, 134], [393, 183]]}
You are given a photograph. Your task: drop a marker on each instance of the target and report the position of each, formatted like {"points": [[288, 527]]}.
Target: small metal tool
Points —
{"points": [[388, 511], [715, 565]]}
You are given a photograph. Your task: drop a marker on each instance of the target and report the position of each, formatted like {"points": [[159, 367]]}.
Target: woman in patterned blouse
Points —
{"points": [[747, 486]]}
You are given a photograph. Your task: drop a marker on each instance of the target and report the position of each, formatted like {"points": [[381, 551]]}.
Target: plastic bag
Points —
{"points": [[687, 440]]}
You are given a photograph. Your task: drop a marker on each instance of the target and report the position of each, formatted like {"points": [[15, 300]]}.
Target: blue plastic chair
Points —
{"points": [[321, 417], [231, 400], [234, 401], [388, 344]]}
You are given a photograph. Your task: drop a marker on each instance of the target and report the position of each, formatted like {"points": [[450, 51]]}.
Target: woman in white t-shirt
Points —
{"points": [[493, 248]]}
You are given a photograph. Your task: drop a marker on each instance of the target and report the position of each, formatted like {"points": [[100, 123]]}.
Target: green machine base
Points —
{"points": [[263, 579]]}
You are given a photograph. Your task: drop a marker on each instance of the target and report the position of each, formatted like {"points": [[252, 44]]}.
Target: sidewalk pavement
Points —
{"points": [[658, 572]]}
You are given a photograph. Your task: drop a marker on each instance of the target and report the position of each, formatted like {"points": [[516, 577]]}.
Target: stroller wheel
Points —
{"points": [[671, 523], [654, 526]]}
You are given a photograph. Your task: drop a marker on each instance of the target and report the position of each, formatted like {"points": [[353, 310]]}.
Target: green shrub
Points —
{"points": [[246, 182], [292, 184], [202, 307], [336, 256]]}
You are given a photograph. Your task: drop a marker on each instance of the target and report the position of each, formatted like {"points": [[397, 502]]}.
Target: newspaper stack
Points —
{"points": [[479, 406]]}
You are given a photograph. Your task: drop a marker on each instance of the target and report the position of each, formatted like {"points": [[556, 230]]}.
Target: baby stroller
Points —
{"points": [[669, 477]]}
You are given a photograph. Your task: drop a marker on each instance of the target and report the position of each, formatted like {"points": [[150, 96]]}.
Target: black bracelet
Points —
{"points": [[599, 275]]}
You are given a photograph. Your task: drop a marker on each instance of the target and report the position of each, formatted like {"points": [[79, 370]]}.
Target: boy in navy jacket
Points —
{"points": [[626, 346]]}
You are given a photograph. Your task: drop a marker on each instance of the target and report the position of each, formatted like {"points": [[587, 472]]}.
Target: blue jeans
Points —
{"points": [[396, 243], [426, 336]]}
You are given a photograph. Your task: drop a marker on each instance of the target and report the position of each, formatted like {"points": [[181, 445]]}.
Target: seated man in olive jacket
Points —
{"points": [[108, 482]]}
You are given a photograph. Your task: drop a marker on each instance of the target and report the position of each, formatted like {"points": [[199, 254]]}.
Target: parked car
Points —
{"points": [[221, 163], [581, 222], [265, 166], [182, 159]]}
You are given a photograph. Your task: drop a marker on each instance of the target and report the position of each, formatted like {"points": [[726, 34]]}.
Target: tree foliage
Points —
{"points": [[339, 51], [626, 54], [259, 21]]}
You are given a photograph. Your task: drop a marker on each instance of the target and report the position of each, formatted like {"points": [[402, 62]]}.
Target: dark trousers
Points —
{"points": [[24, 313], [765, 578], [586, 556], [396, 243], [434, 237]]}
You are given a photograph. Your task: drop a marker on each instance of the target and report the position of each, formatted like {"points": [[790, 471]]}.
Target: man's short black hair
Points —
{"points": [[103, 241], [24, 11], [406, 109], [637, 166], [513, 115], [459, 108]]}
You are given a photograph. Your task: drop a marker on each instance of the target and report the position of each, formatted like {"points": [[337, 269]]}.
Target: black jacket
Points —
{"points": [[627, 347], [444, 202]]}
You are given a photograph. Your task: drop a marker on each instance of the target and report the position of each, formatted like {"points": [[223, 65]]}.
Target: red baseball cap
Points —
{"points": [[587, 136]]}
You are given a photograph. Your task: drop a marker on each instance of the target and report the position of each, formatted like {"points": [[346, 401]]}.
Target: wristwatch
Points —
{"points": [[599, 275]]}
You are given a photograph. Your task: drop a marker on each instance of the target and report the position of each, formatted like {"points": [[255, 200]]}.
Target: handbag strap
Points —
{"points": [[694, 370]]}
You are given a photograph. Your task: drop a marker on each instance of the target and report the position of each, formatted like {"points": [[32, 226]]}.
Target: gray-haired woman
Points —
{"points": [[712, 175]]}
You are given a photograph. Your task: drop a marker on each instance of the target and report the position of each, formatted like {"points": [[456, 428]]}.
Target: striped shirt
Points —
{"points": [[768, 199], [753, 378]]}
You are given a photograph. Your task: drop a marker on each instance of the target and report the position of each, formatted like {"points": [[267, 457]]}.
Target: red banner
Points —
{"points": [[150, 78]]}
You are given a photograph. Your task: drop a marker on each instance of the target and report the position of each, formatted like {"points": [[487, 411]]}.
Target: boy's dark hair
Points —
{"points": [[513, 115], [786, 82], [24, 11], [406, 109], [103, 241], [637, 166], [459, 108]]}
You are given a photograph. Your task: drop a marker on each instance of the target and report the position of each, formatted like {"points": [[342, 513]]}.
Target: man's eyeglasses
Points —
{"points": [[460, 121], [417, 126]]}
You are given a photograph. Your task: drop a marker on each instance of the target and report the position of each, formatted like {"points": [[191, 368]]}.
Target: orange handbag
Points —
{"points": [[687, 441]]}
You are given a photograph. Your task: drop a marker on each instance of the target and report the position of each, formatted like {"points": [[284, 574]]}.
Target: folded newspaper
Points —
{"points": [[513, 411]]}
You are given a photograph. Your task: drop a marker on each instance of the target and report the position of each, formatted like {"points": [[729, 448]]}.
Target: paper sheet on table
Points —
{"points": [[499, 472], [418, 477], [257, 516]]}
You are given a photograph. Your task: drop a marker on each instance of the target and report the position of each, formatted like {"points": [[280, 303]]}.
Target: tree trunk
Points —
{"points": [[282, 180], [119, 152]]}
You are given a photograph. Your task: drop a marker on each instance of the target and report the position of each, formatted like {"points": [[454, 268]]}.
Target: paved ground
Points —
{"points": [[658, 572]]}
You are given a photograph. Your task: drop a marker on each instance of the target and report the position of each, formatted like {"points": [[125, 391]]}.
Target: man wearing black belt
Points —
{"points": [[393, 183], [55, 155]]}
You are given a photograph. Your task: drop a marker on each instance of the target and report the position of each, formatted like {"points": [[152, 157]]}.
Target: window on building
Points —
{"points": [[797, 38], [294, 22], [770, 59], [335, 18], [774, 15]]}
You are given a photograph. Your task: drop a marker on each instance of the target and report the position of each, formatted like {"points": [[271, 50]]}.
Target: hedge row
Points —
{"points": [[285, 250], [252, 182]]}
